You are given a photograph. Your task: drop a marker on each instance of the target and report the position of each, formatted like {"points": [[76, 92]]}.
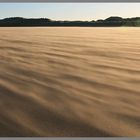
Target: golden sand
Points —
{"points": [[60, 81]]}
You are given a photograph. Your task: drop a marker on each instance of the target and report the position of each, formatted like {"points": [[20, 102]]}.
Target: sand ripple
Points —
{"points": [[69, 81]]}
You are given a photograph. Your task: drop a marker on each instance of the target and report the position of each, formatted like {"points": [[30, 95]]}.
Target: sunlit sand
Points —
{"points": [[70, 81]]}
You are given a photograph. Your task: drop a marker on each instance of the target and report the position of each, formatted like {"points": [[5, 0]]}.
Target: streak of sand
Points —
{"points": [[69, 81]]}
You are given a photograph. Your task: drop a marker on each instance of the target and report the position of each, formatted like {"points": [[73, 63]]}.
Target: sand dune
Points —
{"points": [[70, 81]]}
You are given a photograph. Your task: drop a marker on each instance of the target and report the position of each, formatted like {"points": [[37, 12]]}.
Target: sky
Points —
{"points": [[69, 11]]}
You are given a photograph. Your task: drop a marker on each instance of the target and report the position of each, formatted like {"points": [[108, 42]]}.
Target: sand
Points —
{"points": [[70, 81]]}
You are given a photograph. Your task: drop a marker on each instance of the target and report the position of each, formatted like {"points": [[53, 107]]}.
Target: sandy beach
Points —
{"points": [[69, 81]]}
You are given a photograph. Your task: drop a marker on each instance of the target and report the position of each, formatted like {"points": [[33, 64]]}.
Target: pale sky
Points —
{"points": [[69, 11]]}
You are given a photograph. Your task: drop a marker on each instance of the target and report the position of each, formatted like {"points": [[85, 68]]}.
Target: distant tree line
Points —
{"points": [[109, 22]]}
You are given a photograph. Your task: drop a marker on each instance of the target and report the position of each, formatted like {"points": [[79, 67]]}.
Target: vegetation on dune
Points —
{"points": [[111, 21]]}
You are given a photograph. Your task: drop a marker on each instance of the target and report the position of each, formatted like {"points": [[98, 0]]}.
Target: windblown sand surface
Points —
{"points": [[69, 81]]}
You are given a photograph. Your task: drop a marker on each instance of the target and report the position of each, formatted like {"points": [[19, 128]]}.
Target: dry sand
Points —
{"points": [[69, 81]]}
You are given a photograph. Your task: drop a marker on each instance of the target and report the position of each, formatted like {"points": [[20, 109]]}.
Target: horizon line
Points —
{"points": [[64, 20]]}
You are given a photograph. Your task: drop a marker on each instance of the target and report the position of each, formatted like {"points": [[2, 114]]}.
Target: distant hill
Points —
{"points": [[109, 22]]}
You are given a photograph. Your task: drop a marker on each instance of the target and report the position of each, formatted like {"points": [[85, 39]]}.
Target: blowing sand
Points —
{"points": [[70, 81]]}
